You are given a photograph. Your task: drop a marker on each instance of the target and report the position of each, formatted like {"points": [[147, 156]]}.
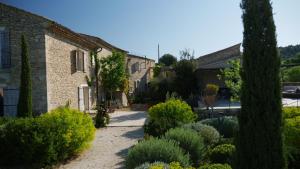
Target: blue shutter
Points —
{"points": [[5, 50]]}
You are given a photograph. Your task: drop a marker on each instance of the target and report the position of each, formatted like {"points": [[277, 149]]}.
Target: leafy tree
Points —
{"points": [[293, 60], [260, 142], [113, 75], [289, 51], [185, 78], [167, 60], [156, 70], [292, 74], [25, 96], [232, 78], [160, 86], [186, 54]]}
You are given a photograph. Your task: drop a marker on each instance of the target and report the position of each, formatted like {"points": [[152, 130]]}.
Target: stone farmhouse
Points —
{"points": [[60, 62], [208, 66]]}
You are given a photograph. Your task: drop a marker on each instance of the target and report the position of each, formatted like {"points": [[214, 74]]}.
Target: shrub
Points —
{"points": [[209, 134], [216, 166], [292, 135], [291, 112], [222, 154], [160, 165], [102, 117], [155, 150], [147, 165], [171, 114], [4, 120], [189, 140], [45, 140], [211, 89], [227, 126]]}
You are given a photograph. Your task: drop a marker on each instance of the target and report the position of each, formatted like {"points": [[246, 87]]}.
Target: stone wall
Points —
{"points": [[144, 74], [18, 22], [62, 83], [208, 76]]}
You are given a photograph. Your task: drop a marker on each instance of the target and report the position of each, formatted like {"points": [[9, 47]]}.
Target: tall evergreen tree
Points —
{"points": [[25, 96], [260, 143]]}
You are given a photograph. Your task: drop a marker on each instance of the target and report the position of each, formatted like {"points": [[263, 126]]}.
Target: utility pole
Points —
{"points": [[158, 53]]}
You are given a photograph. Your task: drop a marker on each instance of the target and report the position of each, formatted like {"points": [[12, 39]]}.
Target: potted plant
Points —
{"points": [[209, 95]]}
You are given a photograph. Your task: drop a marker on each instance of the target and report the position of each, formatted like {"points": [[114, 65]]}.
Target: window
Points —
{"points": [[4, 48], [77, 61]]}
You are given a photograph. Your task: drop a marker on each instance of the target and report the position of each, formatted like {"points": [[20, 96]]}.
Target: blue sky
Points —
{"points": [[139, 25]]}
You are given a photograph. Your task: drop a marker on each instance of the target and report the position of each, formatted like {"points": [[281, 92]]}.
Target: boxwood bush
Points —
{"points": [[188, 140], [227, 126], [215, 166], [46, 139], [223, 154], [292, 135], [171, 114], [209, 134], [153, 150]]}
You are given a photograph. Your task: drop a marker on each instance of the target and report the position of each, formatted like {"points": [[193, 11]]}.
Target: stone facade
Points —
{"points": [[62, 83], [50, 46], [18, 22], [140, 71]]}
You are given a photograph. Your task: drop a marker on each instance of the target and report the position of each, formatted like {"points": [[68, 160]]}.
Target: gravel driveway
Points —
{"points": [[111, 144]]}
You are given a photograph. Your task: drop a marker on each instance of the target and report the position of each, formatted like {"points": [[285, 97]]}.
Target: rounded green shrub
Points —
{"points": [[227, 126], [151, 165], [4, 120], [46, 139], [292, 136], [223, 153], [173, 113], [153, 150], [209, 134], [188, 140], [291, 112], [215, 166]]}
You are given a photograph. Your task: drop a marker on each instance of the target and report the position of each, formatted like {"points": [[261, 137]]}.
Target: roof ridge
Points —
{"points": [[219, 51]]}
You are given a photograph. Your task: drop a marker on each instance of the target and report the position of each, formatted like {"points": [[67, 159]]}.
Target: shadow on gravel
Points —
{"points": [[122, 153], [138, 133], [125, 117]]}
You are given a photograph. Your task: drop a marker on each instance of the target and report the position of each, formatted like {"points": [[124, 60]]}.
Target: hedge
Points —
{"points": [[45, 140]]}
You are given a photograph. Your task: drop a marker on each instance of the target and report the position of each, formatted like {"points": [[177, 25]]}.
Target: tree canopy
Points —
{"points": [[113, 75], [167, 60], [232, 78]]}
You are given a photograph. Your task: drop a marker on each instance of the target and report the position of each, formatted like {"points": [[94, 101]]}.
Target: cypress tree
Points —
{"points": [[25, 96], [260, 142]]}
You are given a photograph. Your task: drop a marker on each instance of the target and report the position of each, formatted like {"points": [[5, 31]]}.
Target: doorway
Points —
{"points": [[84, 98]]}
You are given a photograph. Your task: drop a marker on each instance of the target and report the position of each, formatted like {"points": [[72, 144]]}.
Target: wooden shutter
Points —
{"points": [[73, 61], [80, 61], [83, 61], [5, 49], [80, 98], [86, 98]]}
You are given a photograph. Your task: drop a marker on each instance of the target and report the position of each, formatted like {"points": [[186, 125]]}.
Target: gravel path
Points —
{"points": [[111, 144]]}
